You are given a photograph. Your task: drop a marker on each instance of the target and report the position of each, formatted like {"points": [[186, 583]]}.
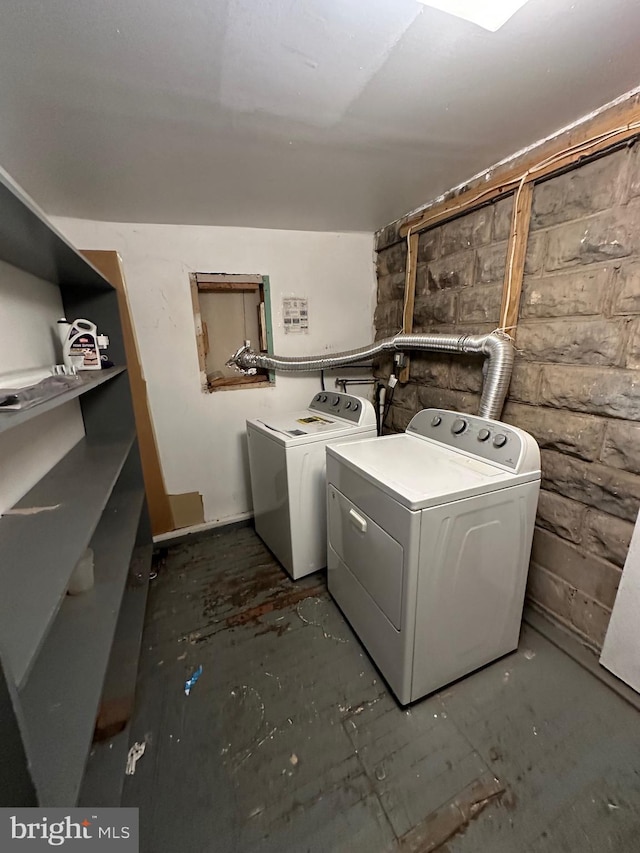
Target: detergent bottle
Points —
{"points": [[81, 346]]}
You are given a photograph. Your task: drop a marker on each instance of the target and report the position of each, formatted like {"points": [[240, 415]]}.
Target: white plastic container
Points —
{"points": [[81, 346], [82, 579], [64, 327]]}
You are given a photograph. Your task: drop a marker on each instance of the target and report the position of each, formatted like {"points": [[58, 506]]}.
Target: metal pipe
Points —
{"points": [[496, 347]]}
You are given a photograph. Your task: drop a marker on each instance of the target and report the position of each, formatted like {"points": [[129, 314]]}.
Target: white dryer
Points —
{"points": [[287, 461], [429, 539]]}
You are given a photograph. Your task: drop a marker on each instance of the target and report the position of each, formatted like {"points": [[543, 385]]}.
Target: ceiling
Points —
{"points": [[296, 114]]}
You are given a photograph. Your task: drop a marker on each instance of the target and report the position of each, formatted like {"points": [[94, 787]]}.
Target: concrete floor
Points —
{"points": [[290, 740]]}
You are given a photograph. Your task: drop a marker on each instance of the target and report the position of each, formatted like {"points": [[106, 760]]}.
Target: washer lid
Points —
{"points": [[302, 427], [420, 474]]}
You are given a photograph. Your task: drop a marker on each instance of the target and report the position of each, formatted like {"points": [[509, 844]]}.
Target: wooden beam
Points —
{"points": [[235, 384], [228, 287], [409, 297], [197, 318], [226, 278], [458, 205], [110, 265], [516, 254], [608, 128]]}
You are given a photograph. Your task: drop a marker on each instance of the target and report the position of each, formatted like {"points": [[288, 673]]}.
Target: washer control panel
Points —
{"points": [[489, 440], [333, 403]]}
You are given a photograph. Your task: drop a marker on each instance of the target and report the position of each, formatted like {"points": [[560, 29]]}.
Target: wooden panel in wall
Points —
{"points": [[110, 265], [409, 298], [516, 254]]}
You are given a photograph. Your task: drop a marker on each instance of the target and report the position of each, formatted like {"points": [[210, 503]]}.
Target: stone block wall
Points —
{"points": [[576, 382]]}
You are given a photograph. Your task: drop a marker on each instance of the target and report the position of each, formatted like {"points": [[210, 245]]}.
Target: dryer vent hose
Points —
{"points": [[496, 347]]}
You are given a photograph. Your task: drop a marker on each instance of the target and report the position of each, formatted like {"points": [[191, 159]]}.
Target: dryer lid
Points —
{"points": [[420, 474]]}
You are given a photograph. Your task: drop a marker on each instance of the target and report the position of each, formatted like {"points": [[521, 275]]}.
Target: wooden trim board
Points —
{"points": [[409, 299], [110, 265], [599, 133], [228, 287], [606, 129], [516, 254], [227, 278], [200, 331]]}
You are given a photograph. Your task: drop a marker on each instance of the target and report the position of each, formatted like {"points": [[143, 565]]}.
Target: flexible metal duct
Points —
{"points": [[496, 347]]}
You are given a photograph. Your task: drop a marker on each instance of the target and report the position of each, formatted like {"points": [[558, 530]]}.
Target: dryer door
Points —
{"points": [[474, 557], [369, 552]]}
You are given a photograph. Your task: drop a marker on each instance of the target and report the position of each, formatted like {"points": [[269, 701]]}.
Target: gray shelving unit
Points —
{"points": [[82, 383], [56, 650]]}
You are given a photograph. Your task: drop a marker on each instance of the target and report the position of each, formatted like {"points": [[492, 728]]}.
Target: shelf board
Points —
{"points": [[31, 243], [41, 549], [119, 687], [60, 699], [104, 774], [88, 381]]}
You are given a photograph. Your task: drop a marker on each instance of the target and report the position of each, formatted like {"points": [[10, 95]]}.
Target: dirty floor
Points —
{"points": [[290, 740]]}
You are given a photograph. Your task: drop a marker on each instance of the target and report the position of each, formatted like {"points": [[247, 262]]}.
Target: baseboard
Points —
{"points": [[184, 534], [586, 657]]}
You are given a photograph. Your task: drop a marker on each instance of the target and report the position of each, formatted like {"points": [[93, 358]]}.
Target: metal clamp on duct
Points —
{"points": [[496, 347]]}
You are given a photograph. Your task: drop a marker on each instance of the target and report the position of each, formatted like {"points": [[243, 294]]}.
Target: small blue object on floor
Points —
{"points": [[188, 685]]}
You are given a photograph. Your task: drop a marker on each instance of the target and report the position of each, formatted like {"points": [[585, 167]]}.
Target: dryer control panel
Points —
{"points": [[490, 440], [345, 406]]}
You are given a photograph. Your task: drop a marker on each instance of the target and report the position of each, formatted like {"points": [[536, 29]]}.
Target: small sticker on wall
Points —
{"points": [[295, 313]]}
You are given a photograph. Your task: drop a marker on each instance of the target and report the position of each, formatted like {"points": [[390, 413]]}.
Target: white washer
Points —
{"points": [[287, 460], [429, 542]]}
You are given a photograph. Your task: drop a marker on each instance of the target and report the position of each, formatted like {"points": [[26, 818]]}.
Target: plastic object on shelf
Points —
{"points": [[81, 579], [81, 345], [14, 398]]}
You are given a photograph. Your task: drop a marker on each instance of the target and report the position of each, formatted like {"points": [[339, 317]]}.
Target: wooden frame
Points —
{"points": [[409, 299], [516, 254], [109, 264], [601, 132], [222, 283], [608, 128]]}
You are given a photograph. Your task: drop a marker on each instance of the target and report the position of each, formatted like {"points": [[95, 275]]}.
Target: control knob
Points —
{"points": [[500, 440], [335, 401], [356, 406], [459, 425], [436, 421], [483, 434]]}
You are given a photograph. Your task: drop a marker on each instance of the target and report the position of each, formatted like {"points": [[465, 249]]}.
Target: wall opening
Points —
{"points": [[229, 309]]}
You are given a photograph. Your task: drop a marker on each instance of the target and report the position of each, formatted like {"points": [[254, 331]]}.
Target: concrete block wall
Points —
{"points": [[576, 382]]}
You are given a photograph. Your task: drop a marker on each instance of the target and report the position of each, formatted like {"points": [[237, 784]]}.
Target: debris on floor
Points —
{"points": [[134, 755], [317, 611], [297, 744], [453, 817], [190, 682]]}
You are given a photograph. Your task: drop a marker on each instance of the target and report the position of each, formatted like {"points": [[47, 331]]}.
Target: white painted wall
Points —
{"points": [[621, 649], [29, 309], [201, 436]]}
